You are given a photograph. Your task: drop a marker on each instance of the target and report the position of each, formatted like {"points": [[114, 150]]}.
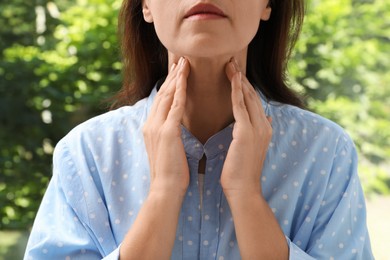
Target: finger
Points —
{"points": [[153, 123], [252, 105], [254, 92], [230, 70], [165, 96], [240, 112], [259, 120], [269, 120], [260, 113], [162, 90], [171, 75], [177, 108], [252, 101]]}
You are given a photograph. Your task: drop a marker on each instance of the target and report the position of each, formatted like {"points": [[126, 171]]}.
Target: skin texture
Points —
{"points": [[208, 45], [183, 37], [152, 234], [206, 91]]}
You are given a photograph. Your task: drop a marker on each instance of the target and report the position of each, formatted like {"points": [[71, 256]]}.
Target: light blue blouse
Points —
{"points": [[101, 179]]}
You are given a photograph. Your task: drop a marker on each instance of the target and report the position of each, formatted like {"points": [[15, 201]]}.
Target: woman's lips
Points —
{"points": [[205, 11]]}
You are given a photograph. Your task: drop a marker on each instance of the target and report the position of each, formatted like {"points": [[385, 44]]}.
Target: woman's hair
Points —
{"points": [[145, 59]]}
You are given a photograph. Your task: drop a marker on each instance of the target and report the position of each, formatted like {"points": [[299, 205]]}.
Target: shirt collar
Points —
{"points": [[217, 144]]}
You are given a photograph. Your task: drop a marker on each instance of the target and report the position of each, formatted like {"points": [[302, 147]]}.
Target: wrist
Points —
{"points": [[167, 189], [166, 195], [243, 194], [244, 199]]}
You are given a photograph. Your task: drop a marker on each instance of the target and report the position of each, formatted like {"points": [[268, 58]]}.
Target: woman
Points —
{"points": [[194, 169]]}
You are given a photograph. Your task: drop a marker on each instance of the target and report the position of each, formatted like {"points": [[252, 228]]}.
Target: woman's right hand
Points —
{"points": [[162, 133], [152, 235]]}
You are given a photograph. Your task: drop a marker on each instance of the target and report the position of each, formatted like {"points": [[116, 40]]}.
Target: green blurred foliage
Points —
{"points": [[341, 63], [59, 60]]}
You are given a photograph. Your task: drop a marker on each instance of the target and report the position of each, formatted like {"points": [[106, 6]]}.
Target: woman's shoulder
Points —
{"points": [[112, 124], [296, 123]]}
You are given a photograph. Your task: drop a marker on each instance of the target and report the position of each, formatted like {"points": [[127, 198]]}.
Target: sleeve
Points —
{"points": [[59, 232], [339, 230]]}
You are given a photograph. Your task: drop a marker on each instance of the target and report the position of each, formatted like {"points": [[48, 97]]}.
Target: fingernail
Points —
{"points": [[237, 67], [180, 63], [183, 61], [232, 67]]}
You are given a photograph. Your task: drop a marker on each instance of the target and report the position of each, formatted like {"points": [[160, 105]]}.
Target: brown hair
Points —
{"points": [[145, 59]]}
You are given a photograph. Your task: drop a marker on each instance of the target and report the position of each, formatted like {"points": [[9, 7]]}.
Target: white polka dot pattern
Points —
{"points": [[101, 179]]}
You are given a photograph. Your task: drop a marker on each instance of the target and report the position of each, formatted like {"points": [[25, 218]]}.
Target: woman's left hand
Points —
{"points": [[252, 134]]}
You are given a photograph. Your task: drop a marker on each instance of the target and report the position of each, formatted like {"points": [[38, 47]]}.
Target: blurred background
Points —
{"points": [[59, 61]]}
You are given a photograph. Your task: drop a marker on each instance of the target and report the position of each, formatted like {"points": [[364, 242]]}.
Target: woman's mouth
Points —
{"points": [[204, 12]]}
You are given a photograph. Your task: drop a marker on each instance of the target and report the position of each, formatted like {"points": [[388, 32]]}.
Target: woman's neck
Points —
{"points": [[208, 104]]}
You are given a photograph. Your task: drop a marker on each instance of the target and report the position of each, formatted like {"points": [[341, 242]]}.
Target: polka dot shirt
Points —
{"points": [[101, 179]]}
